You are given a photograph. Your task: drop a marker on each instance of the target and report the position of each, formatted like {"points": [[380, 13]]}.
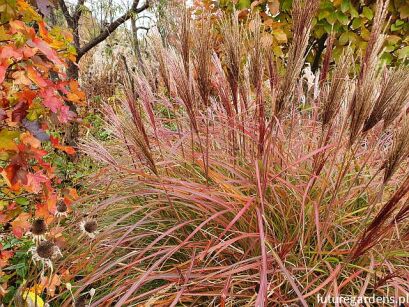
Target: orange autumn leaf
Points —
{"points": [[36, 77], [28, 139], [50, 283], [52, 203], [43, 212], [56, 144], [21, 224], [5, 255]]}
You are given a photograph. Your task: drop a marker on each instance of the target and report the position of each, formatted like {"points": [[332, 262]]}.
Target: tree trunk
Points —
{"points": [[73, 71], [72, 130]]}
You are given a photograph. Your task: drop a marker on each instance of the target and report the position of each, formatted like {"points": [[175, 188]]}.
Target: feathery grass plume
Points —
{"points": [[157, 49], [328, 56], [379, 227], [257, 56], [369, 76], [397, 99], [376, 38], [221, 86], [398, 152], [392, 97], [402, 215], [273, 76], [365, 95], [184, 86], [232, 38], [335, 93], [240, 228], [127, 124], [303, 13], [203, 59], [185, 42]]}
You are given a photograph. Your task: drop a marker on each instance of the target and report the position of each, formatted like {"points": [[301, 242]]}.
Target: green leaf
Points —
{"points": [[347, 37], [323, 14], [243, 4], [367, 12], [328, 28], [396, 27], [356, 23], [7, 139], [354, 13], [403, 53], [344, 38], [345, 5], [342, 18], [331, 18], [387, 58], [22, 201], [286, 5]]}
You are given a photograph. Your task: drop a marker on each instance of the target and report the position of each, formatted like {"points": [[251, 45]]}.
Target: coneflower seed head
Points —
{"points": [[62, 207], [91, 226], [39, 227], [45, 249]]}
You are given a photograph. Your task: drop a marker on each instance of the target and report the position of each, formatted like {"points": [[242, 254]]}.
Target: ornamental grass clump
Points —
{"points": [[233, 182]]}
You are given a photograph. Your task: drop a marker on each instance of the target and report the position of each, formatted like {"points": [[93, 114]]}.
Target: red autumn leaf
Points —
{"points": [[56, 144], [50, 100], [35, 182], [3, 114], [50, 53], [8, 52], [20, 78], [17, 26], [15, 175], [5, 255], [3, 70], [65, 115], [19, 111], [36, 77], [28, 139], [21, 224], [73, 194], [28, 52]]}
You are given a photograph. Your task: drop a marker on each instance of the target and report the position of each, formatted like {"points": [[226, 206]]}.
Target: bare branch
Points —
{"points": [[78, 10], [112, 27], [143, 28], [66, 13]]}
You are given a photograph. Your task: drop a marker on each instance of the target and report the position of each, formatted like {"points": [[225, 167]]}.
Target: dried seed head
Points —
{"points": [[398, 152], [39, 227], [91, 226], [46, 249], [62, 207]]}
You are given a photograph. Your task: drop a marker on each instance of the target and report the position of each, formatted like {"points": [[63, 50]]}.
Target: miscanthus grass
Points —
{"points": [[236, 178]]}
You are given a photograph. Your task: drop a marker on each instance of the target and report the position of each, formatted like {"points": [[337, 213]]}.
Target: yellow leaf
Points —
{"points": [[31, 299], [280, 36], [7, 139]]}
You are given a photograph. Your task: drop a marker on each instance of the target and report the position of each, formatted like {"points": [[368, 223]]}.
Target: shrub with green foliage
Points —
{"points": [[349, 21]]}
